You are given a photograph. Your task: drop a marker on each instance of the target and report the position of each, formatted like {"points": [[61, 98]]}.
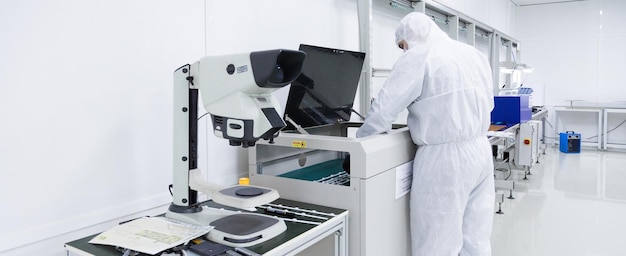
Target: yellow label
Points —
{"points": [[298, 144]]}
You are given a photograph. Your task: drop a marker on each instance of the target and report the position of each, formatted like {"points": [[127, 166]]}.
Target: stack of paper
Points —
{"points": [[150, 235]]}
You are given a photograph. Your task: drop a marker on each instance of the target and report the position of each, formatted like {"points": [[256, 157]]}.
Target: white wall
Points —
{"points": [[577, 53], [85, 107]]}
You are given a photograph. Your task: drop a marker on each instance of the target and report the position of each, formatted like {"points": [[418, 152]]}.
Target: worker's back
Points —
{"points": [[457, 94]]}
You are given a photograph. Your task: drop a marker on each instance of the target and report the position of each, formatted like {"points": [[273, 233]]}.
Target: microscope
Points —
{"points": [[236, 90]]}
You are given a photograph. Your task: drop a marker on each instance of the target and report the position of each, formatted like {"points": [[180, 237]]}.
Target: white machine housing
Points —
{"points": [[528, 143], [378, 216], [237, 90]]}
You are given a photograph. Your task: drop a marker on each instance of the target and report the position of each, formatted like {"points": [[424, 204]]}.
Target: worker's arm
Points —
{"points": [[402, 87]]}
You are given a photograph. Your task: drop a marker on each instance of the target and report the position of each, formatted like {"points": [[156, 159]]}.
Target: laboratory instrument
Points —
{"points": [[236, 90], [569, 142], [511, 110], [306, 162]]}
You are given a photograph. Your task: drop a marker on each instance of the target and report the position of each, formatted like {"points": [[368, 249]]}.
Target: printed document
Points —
{"points": [[150, 235]]}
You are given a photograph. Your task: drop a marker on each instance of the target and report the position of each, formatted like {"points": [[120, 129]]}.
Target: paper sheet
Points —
{"points": [[508, 135], [404, 179], [150, 235]]}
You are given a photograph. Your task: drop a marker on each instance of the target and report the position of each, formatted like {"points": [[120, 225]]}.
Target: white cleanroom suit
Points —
{"points": [[447, 88]]}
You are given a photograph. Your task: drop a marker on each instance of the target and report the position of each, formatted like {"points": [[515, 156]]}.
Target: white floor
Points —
{"points": [[572, 204]]}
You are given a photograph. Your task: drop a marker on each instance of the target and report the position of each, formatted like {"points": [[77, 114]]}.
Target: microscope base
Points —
{"points": [[233, 228]]}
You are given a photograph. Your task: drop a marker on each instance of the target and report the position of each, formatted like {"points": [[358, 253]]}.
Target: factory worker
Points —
{"points": [[447, 88]]}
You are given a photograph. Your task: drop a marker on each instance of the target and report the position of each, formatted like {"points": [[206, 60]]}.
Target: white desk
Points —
{"points": [[605, 138], [590, 110]]}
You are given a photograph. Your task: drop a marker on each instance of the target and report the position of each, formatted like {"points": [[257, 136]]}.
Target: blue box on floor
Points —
{"points": [[511, 110], [569, 142]]}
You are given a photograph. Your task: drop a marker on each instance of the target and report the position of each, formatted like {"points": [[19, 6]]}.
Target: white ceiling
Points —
{"points": [[535, 2]]}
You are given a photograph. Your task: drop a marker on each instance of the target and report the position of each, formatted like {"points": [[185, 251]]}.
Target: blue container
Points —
{"points": [[569, 142], [511, 110]]}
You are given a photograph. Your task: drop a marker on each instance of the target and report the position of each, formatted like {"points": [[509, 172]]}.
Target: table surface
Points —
{"points": [[294, 230]]}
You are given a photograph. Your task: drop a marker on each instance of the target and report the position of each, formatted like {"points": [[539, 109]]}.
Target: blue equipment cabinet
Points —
{"points": [[511, 110], [569, 142]]}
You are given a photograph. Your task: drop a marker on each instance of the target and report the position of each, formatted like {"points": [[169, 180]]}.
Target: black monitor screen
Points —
{"points": [[324, 92]]}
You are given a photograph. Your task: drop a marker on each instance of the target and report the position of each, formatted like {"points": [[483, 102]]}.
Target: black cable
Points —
{"points": [[546, 120], [507, 81], [510, 171], [203, 115], [527, 76], [595, 136], [357, 113], [616, 126], [607, 132], [199, 203]]}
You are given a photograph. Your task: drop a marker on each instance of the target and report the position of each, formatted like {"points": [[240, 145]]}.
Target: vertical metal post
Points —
{"points": [[184, 138], [509, 50], [471, 34], [518, 52], [180, 152], [495, 62], [365, 19], [420, 7], [453, 21]]}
